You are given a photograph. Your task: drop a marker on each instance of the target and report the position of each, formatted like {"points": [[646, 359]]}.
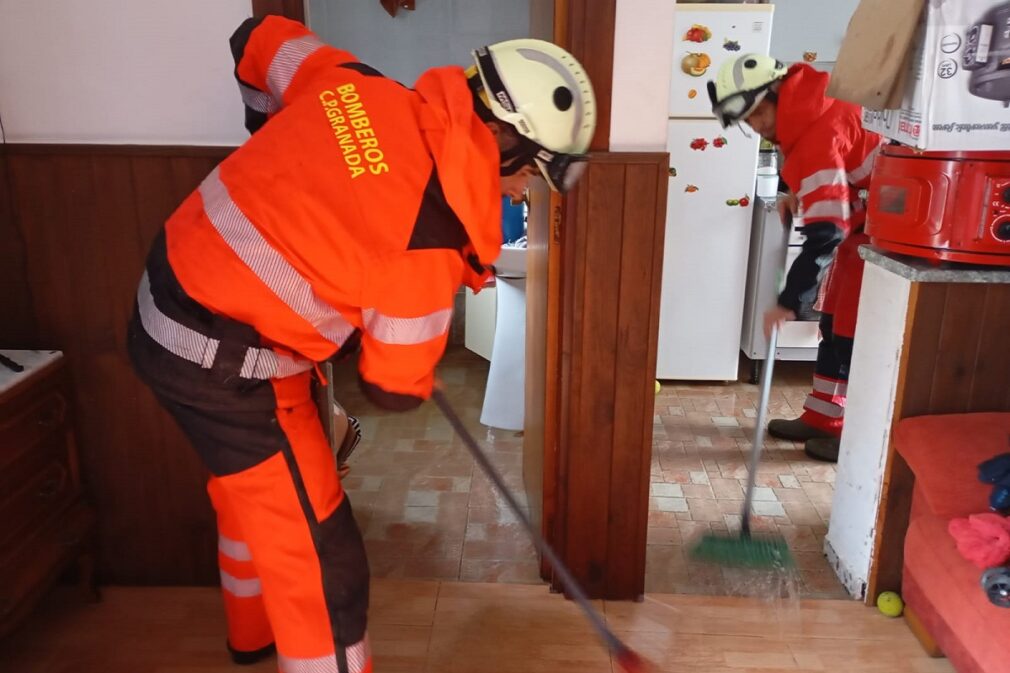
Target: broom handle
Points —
{"points": [[570, 585], [759, 430]]}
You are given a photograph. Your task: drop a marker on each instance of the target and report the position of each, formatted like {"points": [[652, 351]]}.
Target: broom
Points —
{"points": [[746, 550], [626, 658]]}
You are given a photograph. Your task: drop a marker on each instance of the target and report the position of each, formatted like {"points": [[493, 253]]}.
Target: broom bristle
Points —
{"points": [[744, 552]]}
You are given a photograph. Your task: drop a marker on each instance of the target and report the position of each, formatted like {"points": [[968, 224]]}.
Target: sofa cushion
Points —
{"points": [[944, 453], [944, 591]]}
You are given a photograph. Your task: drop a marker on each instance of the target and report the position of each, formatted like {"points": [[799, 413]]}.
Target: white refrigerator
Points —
{"points": [[710, 199]]}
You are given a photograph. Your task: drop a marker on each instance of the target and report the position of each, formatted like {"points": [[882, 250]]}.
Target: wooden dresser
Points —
{"points": [[45, 524]]}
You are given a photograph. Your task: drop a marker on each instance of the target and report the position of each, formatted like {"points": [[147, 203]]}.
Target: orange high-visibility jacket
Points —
{"points": [[358, 206]]}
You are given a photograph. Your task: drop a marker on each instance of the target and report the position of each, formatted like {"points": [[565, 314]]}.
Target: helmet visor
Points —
{"points": [[561, 171]]}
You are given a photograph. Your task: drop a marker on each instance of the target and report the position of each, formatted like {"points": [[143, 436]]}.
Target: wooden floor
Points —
{"points": [[470, 628]]}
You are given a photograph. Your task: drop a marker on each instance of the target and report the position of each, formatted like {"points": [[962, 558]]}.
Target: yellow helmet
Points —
{"points": [[741, 84], [545, 94]]}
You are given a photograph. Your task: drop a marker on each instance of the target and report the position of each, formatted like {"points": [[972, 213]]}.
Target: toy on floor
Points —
{"points": [[996, 584], [983, 539], [996, 471], [890, 604], [658, 387]]}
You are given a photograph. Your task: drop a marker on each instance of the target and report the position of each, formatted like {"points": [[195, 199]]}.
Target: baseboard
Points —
{"points": [[854, 584]]}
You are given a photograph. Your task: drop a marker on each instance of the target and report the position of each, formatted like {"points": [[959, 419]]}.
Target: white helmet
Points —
{"points": [[741, 84], [545, 94]]}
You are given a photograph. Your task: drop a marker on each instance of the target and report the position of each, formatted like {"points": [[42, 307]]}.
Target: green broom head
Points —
{"points": [[744, 551]]}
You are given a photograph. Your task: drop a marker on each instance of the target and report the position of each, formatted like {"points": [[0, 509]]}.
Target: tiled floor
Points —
{"points": [[432, 627], [427, 511], [701, 443]]}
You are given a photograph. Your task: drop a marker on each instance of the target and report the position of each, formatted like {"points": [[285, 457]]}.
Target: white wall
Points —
{"points": [[120, 71], [873, 379], [438, 32], [643, 57]]}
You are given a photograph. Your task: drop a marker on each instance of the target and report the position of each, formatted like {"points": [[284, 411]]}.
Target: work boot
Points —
{"points": [[823, 448], [244, 658], [795, 430]]}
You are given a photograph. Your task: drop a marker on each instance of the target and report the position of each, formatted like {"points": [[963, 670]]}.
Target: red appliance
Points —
{"points": [[950, 206]]}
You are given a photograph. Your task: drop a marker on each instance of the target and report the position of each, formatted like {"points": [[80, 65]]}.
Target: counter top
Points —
{"points": [[922, 271], [30, 362]]}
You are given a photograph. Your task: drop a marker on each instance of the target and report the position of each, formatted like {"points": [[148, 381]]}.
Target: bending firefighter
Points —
{"points": [[349, 219], [828, 160]]}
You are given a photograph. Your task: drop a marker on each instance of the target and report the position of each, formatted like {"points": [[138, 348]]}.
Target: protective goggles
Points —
{"points": [[561, 171], [736, 107]]}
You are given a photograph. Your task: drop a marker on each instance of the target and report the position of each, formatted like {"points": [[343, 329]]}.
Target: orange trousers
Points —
{"points": [[292, 560]]}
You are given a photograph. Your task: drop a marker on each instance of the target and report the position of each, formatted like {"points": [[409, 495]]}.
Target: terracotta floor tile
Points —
{"points": [[525, 572], [791, 495], [662, 519], [819, 492], [704, 510], [800, 513], [698, 491], [727, 488]]}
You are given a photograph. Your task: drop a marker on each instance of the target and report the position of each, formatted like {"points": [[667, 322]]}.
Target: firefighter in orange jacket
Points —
{"points": [[828, 161], [349, 219]]}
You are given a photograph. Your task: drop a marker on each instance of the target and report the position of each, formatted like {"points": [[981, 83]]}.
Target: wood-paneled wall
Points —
{"points": [[612, 266], [955, 361], [87, 215], [17, 313]]}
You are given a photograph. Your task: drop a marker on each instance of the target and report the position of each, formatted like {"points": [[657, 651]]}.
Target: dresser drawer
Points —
{"points": [[31, 459], [38, 498], [25, 424], [28, 571]]}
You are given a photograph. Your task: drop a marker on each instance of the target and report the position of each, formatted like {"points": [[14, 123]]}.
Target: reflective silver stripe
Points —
{"points": [[286, 62], [829, 176], [269, 266], [863, 172], [240, 588], [833, 388], [358, 656], [406, 331], [823, 407], [172, 336], [191, 345], [233, 549], [838, 210], [325, 664], [258, 100]]}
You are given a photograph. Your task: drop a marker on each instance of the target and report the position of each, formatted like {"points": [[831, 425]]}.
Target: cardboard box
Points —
{"points": [[958, 89]]}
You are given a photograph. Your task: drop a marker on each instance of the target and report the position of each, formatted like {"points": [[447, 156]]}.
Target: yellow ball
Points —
{"points": [[890, 604], [658, 387]]}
